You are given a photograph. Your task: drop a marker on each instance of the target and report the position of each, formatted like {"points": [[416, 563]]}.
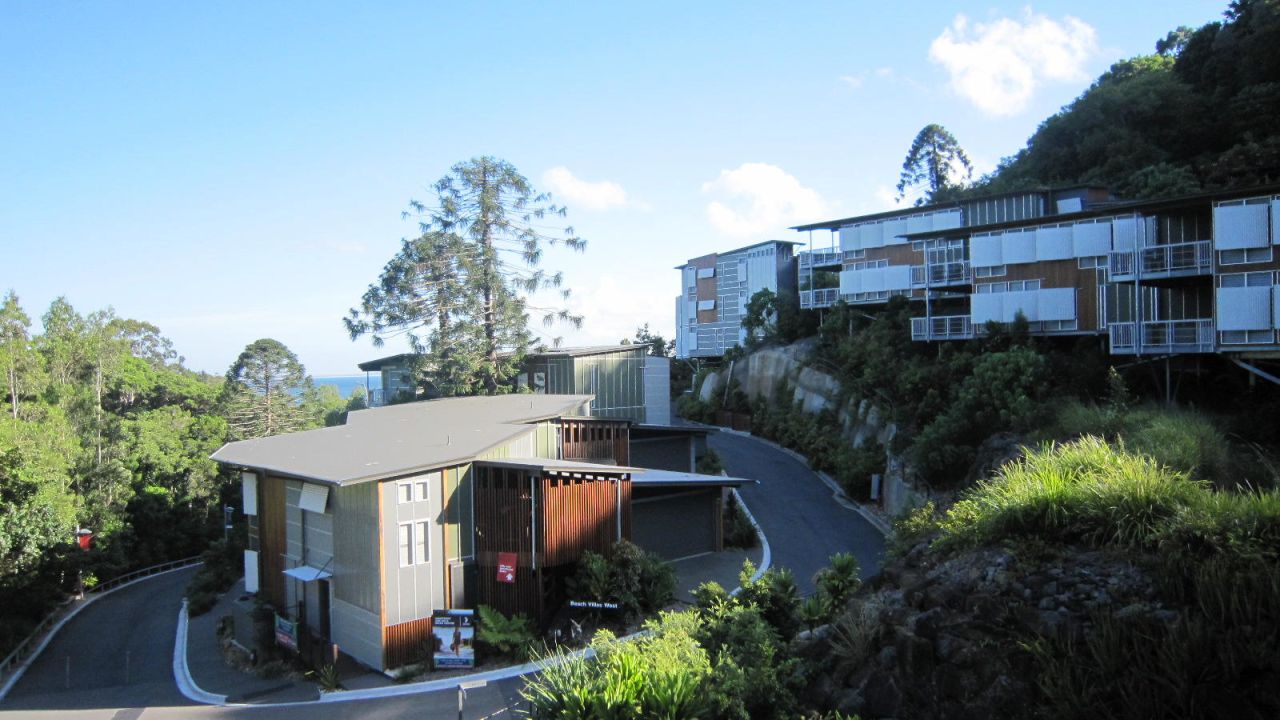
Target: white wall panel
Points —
{"points": [[897, 277], [1056, 304], [1124, 233], [1240, 226], [1275, 307], [1091, 239], [249, 486], [985, 251], [1053, 243], [850, 239], [919, 223], [1275, 222], [873, 279], [850, 282], [986, 306], [1024, 301], [948, 220], [1018, 247], [1245, 308], [892, 229], [870, 235], [251, 571], [314, 497]]}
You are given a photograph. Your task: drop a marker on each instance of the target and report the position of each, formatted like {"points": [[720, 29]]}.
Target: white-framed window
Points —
{"points": [[1253, 279], [415, 542], [917, 245], [1247, 337], [991, 271], [421, 488], [1096, 261], [1244, 256], [404, 491]]}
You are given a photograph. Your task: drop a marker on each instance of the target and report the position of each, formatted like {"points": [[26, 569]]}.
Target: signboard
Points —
{"points": [[593, 604], [286, 633], [454, 634], [507, 567]]}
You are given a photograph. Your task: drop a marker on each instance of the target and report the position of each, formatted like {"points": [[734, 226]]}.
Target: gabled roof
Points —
{"points": [[399, 440], [584, 351]]}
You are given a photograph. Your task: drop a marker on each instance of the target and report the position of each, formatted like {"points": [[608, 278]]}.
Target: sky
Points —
{"points": [[236, 170]]}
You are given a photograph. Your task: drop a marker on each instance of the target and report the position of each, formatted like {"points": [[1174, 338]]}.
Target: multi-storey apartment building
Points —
{"points": [[1194, 274], [715, 290]]}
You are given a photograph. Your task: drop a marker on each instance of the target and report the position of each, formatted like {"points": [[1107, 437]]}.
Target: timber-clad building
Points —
{"points": [[359, 532]]}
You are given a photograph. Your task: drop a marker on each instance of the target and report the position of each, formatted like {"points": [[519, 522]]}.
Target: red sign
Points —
{"points": [[84, 539], [507, 568]]}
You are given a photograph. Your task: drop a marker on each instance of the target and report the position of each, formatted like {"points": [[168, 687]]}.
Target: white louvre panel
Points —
{"points": [[871, 235], [1275, 307], [706, 304], [849, 238], [1245, 308], [873, 280], [897, 277], [1240, 226], [948, 220], [314, 497], [986, 306], [690, 279], [893, 229], [1024, 301], [1124, 235], [251, 571], [1091, 239], [850, 282], [249, 483], [706, 272], [1053, 243], [985, 251], [1070, 205], [1056, 304], [1275, 222], [919, 223], [1018, 247]]}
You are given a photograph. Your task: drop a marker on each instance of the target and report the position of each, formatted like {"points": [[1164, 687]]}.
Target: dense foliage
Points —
{"points": [[1199, 114], [640, 582]]}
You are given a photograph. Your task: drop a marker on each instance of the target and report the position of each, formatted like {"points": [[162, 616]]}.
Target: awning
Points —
{"points": [[306, 573]]}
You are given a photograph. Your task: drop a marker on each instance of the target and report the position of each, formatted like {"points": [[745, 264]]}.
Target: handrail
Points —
{"points": [[24, 648]]}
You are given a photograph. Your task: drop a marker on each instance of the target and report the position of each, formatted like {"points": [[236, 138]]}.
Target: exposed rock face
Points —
{"points": [[949, 640]]}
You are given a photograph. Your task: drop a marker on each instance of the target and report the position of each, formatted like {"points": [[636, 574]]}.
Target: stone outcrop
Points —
{"points": [[949, 640]]}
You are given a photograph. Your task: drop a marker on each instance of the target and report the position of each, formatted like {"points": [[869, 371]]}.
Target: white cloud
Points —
{"points": [[858, 79], [999, 65], [612, 306], [854, 81], [603, 195], [884, 72], [346, 248], [758, 199]]}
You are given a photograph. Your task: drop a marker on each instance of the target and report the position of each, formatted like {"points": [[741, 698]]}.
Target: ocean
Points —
{"points": [[347, 384]]}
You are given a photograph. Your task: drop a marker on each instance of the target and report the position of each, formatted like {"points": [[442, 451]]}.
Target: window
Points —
{"points": [[415, 544], [404, 492], [420, 489], [992, 271], [1086, 263], [917, 245], [1244, 256]]}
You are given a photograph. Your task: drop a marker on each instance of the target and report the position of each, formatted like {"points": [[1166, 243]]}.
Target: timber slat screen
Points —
{"points": [[503, 511], [271, 529], [405, 643], [575, 512], [594, 439]]}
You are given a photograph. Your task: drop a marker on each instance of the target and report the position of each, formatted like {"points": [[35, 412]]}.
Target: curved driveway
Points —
{"points": [[797, 511]]}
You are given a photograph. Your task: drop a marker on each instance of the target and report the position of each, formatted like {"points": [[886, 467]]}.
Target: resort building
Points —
{"points": [[715, 290]]}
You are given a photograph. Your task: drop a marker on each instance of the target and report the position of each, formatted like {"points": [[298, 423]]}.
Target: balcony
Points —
{"points": [[1161, 336], [826, 297], [1163, 261], [940, 274], [942, 327], [821, 259]]}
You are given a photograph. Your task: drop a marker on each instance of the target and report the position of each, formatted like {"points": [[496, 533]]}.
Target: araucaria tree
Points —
{"points": [[461, 291], [261, 395], [933, 162]]}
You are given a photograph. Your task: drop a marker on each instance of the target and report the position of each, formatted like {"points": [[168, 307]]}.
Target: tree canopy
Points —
{"points": [[461, 292], [935, 164], [262, 391]]}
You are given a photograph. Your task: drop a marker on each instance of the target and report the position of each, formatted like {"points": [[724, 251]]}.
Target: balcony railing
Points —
{"points": [[821, 258], [944, 327], [1190, 258], [1162, 336], [826, 297], [940, 274]]}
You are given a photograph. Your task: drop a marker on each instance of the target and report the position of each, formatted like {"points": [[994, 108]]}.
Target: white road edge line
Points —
{"points": [[766, 555], [182, 672], [17, 674]]}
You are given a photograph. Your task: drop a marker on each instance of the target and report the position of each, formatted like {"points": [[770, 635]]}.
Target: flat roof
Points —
{"points": [[399, 440], [671, 478], [737, 250], [370, 365], [587, 350], [562, 466], [935, 207]]}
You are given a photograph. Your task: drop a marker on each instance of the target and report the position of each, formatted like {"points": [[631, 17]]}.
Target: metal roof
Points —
{"points": [[399, 440], [562, 466], [589, 350], [671, 478], [371, 365]]}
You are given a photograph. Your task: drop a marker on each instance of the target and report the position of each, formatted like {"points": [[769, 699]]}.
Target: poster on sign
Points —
{"points": [[507, 567], [454, 635], [286, 633]]}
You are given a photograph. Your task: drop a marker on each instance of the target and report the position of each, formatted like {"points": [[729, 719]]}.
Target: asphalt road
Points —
{"points": [[116, 653], [121, 647], [797, 511]]}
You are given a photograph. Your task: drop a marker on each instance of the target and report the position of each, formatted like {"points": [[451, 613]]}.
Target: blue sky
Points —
{"points": [[230, 171]]}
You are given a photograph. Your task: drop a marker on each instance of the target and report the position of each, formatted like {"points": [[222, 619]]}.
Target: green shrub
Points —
{"points": [[710, 463], [511, 637], [738, 530], [640, 582], [855, 466], [775, 594], [839, 580]]}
